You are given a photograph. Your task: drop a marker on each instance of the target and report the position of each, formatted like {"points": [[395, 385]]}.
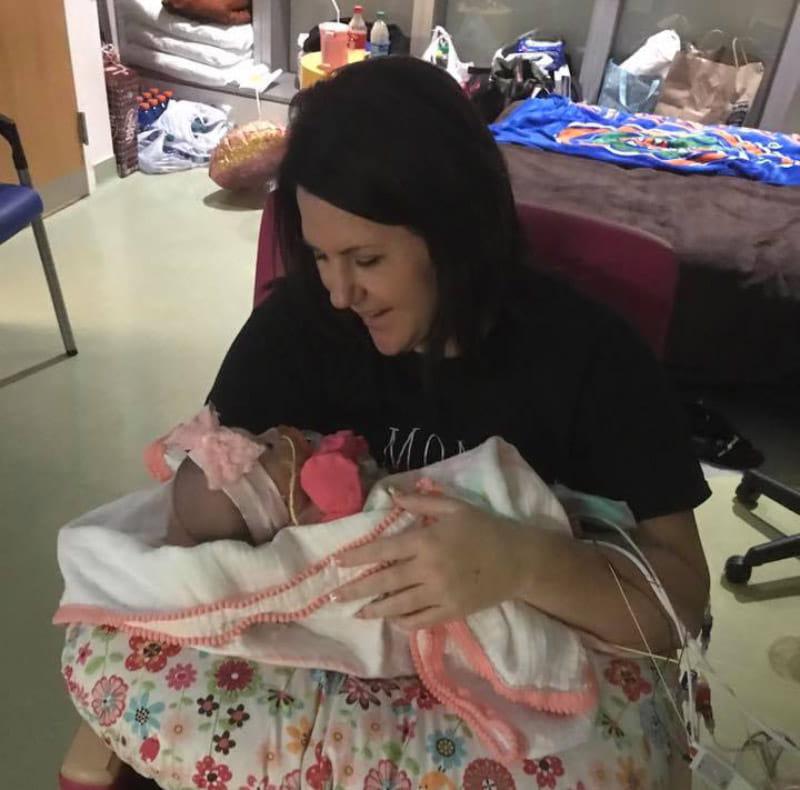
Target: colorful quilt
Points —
{"points": [[641, 140]]}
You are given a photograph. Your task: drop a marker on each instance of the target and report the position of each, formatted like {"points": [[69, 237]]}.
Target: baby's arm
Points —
{"points": [[199, 515]]}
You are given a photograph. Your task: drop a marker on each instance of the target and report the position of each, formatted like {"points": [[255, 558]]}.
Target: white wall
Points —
{"points": [[83, 30]]}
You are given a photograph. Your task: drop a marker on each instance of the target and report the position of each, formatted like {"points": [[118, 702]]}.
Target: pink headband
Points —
{"points": [[229, 459]]}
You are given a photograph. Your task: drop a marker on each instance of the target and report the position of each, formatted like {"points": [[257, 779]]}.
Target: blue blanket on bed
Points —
{"points": [[556, 124]]}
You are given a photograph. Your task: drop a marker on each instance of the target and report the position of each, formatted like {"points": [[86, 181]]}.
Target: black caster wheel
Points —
{"points": [[747, 496], [736, 571]]}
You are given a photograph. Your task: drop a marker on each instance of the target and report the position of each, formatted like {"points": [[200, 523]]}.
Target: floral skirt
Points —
{"points": [[191, 719]]}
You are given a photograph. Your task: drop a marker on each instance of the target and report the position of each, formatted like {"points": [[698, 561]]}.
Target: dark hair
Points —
{"points": [[396, 141]]}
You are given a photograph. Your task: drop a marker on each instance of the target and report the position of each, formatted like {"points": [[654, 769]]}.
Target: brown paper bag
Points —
{"points": [[699, 88]]}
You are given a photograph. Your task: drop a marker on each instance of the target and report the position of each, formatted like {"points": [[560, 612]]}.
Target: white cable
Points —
{"points": [[776, 736], [688, 642], [646, 643], [646, 570], [650, 576]]}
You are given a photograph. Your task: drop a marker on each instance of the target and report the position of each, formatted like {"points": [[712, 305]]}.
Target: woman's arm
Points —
{"points": [[571, 580], [468, 559]]}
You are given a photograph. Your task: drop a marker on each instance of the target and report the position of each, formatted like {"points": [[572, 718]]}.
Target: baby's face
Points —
{"points": [[285, 452]]}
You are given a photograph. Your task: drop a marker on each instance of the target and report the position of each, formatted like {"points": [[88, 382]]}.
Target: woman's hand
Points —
{"points": [[464, 560]]}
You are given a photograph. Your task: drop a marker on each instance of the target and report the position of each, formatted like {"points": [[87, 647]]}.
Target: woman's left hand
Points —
{"points": [[464, 560]]}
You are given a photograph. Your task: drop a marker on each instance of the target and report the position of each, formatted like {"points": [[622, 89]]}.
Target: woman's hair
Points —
{"points": [[396, 141]]}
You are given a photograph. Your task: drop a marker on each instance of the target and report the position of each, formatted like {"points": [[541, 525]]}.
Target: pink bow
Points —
{"points": [[225, 455], [331, 477]]}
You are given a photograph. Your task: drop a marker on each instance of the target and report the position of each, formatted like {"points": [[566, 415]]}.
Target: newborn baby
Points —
{"points": [[231, 484]]}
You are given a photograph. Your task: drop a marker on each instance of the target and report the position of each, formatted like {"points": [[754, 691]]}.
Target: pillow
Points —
{"points": [[248, 156], [223, 12]]}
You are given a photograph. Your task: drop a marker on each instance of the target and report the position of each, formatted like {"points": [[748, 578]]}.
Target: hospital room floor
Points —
{"points": [[157, 273]]}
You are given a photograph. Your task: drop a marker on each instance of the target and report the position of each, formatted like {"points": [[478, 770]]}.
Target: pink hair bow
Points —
{"points": [[225, 455], [331, 477]]}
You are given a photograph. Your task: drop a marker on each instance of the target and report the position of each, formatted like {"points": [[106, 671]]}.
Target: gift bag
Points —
{"points": [[703, 89], [442, 52], [624, 91]]}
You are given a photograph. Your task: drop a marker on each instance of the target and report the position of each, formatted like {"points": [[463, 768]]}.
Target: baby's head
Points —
{"points": [[234, 484], [285, 452], [230, 483]]}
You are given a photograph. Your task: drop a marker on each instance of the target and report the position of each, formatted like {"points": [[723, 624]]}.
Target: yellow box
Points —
{"points": [[310, 66]]}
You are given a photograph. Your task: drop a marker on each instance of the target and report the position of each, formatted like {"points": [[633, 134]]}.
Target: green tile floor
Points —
{"points": [[157, 272]]}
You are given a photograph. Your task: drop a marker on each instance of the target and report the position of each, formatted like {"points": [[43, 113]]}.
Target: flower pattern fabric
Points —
{"points": [[190, 719]]}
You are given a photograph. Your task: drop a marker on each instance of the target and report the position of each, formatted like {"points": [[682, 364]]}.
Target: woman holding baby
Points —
{"points": [[410, 316]]}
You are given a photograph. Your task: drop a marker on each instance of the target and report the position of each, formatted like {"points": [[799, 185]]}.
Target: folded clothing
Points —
{"points": [[243, 73], [209, 54], [223, 12], [237, 38], [506, 670]]}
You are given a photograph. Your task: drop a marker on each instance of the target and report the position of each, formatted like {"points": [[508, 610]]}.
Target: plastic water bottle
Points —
{"points": [[379, 38], [357, 30]]}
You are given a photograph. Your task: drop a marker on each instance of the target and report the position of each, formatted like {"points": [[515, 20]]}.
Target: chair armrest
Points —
{"points": [[8, 129]]}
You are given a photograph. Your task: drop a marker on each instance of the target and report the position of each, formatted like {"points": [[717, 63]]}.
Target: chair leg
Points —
{"points": [[753, 484], [53, 284], [89, 764]]}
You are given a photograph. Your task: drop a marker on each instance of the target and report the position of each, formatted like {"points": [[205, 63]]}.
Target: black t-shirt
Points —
{"points": [[569, 384]]}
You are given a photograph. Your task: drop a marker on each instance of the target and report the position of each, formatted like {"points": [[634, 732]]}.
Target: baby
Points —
{"points": [[231, 484]]}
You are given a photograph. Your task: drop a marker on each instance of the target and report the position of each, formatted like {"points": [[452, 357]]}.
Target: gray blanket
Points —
{"points": [[719, 222]]}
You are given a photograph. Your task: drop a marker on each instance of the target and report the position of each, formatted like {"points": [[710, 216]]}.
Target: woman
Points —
{"points": [[410, 316]]}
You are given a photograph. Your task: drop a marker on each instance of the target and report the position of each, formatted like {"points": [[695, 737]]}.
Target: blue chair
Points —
{"points": [[20, 206]]}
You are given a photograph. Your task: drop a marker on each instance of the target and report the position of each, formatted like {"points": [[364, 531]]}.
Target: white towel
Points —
{"points": [[245, 73], [506, 670], [209, 54]]}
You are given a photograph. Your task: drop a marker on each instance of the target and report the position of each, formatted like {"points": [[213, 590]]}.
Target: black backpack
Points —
{"points": [[510, 79]]}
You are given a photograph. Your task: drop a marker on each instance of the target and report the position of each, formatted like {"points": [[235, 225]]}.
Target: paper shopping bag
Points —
{"points": [[699, 88]]}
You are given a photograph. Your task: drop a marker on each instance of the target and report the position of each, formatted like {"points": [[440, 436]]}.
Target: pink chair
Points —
{"points": [[633, 272]]}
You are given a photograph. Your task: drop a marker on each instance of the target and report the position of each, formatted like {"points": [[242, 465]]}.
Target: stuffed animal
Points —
{"points": [[231, 484]]}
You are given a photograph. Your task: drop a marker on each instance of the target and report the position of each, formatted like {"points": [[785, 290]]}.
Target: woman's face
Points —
{"points": [[383, 273]]}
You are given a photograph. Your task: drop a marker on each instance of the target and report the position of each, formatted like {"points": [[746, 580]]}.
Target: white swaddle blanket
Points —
{"points": [[521, 679]]}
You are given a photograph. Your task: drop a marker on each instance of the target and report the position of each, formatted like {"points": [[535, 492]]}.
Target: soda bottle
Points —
{"points": [[357, 30]]}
